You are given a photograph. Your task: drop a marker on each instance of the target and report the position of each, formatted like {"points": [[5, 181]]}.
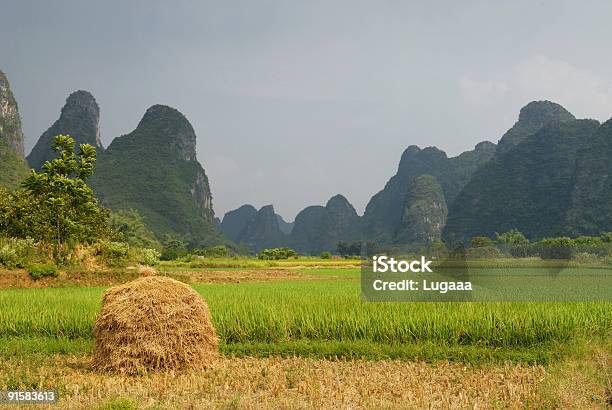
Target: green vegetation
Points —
{"points": [[113, 253], [57, 218], [16, 253], [131, 228], [13, 169], [56, 206], [254, 317], [513, 243], [277, 253], [38, 271], [547, 184], [173, 249]]}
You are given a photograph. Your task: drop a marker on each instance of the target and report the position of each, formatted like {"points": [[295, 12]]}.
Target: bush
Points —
{"points": [[114, 253], [606, 237], [17, 253], [325, 255], [8, 257], [38, 271], [555, 248], [277, 253], [521, 250], [486, 252], [149, 256]]}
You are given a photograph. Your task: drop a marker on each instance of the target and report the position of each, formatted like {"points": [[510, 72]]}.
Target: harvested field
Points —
{"points": [[297, 383], [238, 276], [21, 279]]}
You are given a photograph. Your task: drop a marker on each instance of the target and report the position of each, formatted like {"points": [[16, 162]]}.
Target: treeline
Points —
{"points": [[508, 244], [514, 244]]}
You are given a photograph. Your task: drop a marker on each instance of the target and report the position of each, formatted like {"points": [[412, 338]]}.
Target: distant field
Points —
{"points": [[250, 263]]}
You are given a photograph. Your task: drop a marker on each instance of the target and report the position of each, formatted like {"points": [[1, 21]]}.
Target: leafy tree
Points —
{"points": [[173, 248], [481, 242], [63, 207], [512, 237], [18, 216]]}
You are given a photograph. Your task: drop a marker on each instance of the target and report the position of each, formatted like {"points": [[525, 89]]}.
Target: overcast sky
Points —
{"points": [[295, 101]]}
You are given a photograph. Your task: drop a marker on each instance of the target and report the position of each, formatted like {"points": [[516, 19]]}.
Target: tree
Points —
{"points": [[512, 237], [66, 209], [513, 243], [174, 248], [481, 242]]}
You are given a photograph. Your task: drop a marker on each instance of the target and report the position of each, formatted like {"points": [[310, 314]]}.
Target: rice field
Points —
{"points": [[322, 311]]}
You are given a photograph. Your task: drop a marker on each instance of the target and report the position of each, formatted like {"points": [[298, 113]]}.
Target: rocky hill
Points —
{"points": [[13, 167], [385, 210], [79, 118], [154, 169], [538, 182], [262, 231], [532, 118], [320, 228], [424, 214], [255, 229], [236, 220]]}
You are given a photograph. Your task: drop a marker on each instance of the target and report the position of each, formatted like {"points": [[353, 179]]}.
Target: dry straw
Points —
{"points": [[153, 323]]}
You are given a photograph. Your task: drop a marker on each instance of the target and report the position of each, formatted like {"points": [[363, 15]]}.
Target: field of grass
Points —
{"points": [[313, 342], [327, 317]]}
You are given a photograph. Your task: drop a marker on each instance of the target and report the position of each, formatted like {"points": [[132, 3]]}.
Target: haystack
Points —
{"points": [[153, 323]]}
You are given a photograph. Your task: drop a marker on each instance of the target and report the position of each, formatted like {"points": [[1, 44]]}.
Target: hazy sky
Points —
{"points": [[295, 101]]}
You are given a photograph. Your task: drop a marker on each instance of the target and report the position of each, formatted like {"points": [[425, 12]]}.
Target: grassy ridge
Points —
{"points": [[321, 311]]}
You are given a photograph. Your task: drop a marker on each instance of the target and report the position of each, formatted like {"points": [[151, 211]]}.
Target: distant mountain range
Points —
{"points": [[548, 175]]}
